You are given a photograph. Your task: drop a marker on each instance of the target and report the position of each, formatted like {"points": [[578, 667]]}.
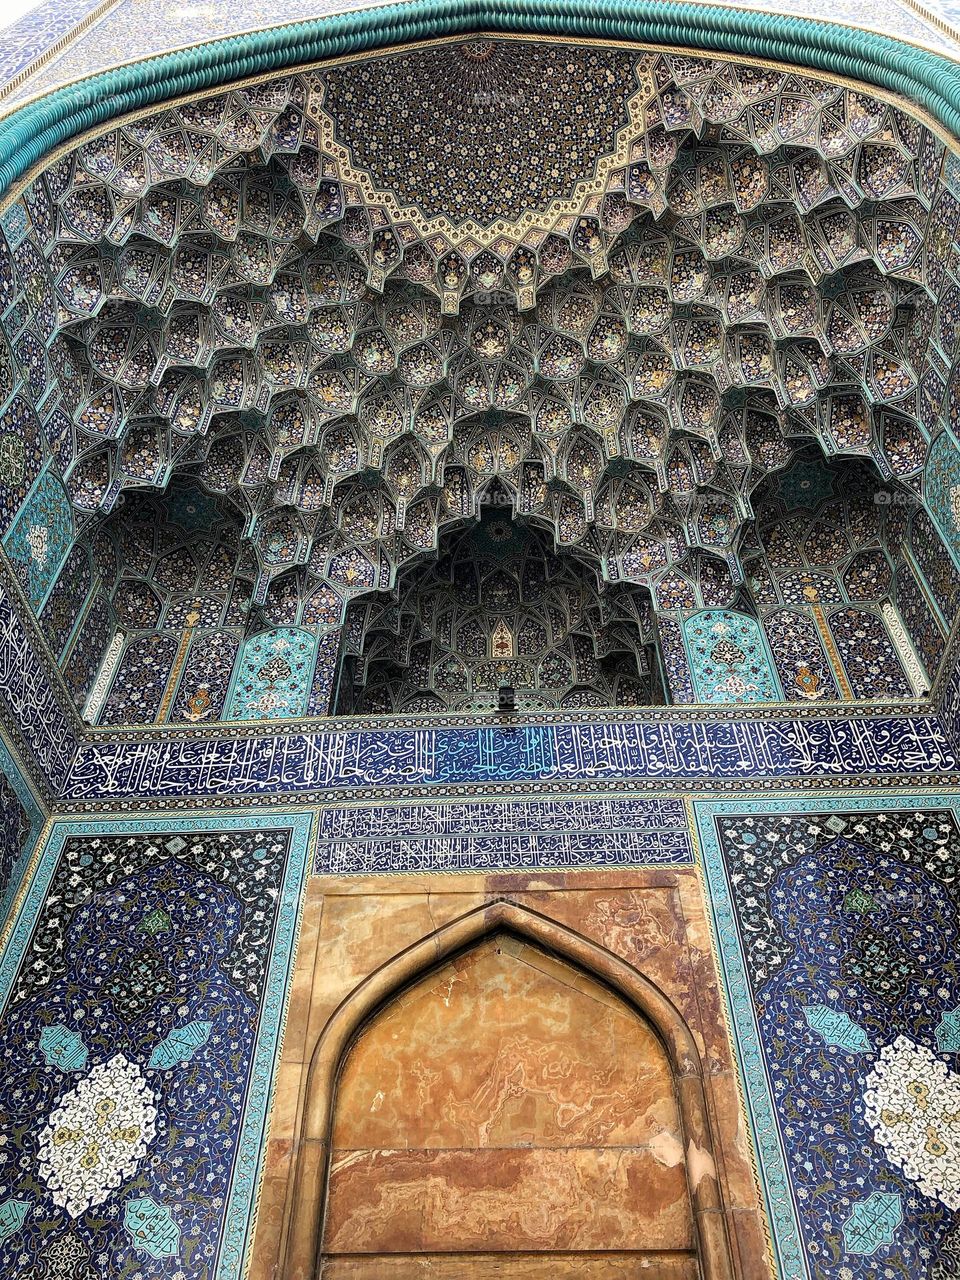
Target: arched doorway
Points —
{"points": [[506, 1098], [506, 1104]]}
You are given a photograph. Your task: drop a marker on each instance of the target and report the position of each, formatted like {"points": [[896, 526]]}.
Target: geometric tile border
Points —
{"points": [[778, 1192], [249, 1149]]}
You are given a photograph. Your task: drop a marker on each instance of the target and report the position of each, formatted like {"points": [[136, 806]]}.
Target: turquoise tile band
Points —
{"points": [[927, 79]]}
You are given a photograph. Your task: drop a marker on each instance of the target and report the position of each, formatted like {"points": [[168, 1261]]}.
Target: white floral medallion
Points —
{"points": [[912, 1102], [97, 1135]]}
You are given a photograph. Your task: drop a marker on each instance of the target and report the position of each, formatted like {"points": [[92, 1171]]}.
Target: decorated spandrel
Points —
{"points": [[141, 1153], [837, 1028], [848, 905], [152, 1227], [63, 1047], [873, 1222]]}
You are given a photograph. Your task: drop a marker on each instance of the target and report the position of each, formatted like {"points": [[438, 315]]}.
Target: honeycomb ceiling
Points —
{"points": [[498, 606], [623, 287]]}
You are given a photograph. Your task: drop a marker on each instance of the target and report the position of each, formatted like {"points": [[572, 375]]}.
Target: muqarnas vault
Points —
{"points": [[479, 566]]}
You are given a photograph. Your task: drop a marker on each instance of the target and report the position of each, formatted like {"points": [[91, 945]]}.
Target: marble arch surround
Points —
{"points": [[300, 1253]]}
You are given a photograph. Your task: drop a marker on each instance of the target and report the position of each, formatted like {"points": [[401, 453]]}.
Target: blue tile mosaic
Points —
{"points": [[273, 675], [950, 700], [836, 922], [141, 678], [35, 710], [656, 748], [869, 658], [937, 570], [141, 994], [203, 685], [493, 835], [21, 455], [21, 821], [67, 600], [38, 31], [942, 491], [142, 28], [40, 538], [797, 650], [718, 750], [729, 660]]}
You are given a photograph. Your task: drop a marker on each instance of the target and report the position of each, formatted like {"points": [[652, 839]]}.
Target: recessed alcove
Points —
{"points": [[505, 1107], [846, 595], [662, 380], [494, 1090], [499, 606]]}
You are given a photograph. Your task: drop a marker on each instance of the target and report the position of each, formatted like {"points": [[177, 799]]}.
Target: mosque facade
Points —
{"points": [[479, 690]]}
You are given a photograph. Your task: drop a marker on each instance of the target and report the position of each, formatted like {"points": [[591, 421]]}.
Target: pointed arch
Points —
{"points": [[303, 1231]]}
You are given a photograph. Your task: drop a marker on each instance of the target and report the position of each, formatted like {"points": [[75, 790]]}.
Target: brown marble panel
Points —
{"points": [[556, 1266], [642, 925], [491, 1200], [359, 933], [658, 925], [749, 1240], [285, 1108], [266, 1252], [716, 1050], [728, 1119], [546, 1091], [610, 879], [301, 982], [507, 1046]]}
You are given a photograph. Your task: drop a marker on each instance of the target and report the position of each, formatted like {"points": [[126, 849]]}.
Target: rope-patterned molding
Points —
{"points": [[923, 77], [54, 50]]}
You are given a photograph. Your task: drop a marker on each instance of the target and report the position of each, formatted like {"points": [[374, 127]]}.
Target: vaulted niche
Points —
{"points": [[499, 607], [508, 1115], [847, 595], [267, 300]]}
